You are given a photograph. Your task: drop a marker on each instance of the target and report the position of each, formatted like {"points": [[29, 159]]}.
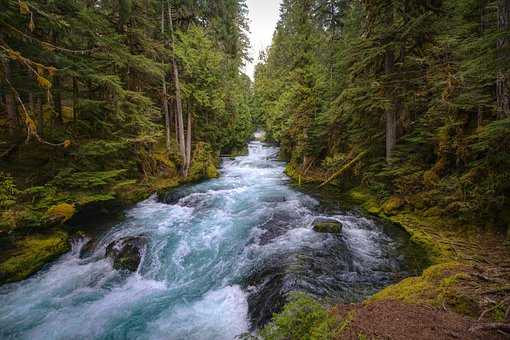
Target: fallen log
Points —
{"points": [[492, 326], [344, 168]]}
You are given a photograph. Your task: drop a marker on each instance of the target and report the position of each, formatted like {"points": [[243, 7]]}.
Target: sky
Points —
{"points": [[263, 15]]}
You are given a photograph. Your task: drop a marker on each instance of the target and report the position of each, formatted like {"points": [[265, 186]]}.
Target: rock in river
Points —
{"points": [[126, 253], [328, 226]]}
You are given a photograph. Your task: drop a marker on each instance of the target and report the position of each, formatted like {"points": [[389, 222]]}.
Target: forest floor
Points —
{"points": [[396, 320]]}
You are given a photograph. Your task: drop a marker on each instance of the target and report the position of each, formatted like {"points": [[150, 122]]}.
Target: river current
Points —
{"points": [[222, 256]]}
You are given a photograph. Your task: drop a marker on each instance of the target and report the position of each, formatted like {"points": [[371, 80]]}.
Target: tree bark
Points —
{"points": [[188, 146], [165, 92], [391, 114], [178, 100], [10, 103], [502, 90]]}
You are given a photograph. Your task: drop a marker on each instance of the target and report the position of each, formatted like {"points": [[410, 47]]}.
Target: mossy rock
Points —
{"points": [[127, 252], [212, 171], [291, 171], [367, 201], [392, 205], [60, 213], [440, 285], [331, 227], [31, 253]]}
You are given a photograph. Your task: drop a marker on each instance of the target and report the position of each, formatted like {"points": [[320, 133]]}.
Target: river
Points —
{"points": [[221, 257]]}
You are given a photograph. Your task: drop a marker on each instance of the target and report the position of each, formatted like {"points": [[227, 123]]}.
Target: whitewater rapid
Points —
{"points": [[222, 256]]}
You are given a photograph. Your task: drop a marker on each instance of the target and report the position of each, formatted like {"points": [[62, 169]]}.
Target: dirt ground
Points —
{"points": [[396, 320]]}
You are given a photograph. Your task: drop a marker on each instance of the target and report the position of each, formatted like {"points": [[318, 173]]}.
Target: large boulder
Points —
{"points": [[127, 252], [328, 226]]}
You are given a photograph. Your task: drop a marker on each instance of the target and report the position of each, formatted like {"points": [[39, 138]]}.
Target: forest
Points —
{"points": [[399, 107], [408, 99], [104, 102]]}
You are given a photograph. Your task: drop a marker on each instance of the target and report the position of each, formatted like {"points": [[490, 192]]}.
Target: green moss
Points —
{"points": [[438, 286], [328, 227], [302, 318], [60, 213], [212, 171], [417, 226], [31, 253], [392, 205], [367, 201], [291, 171]]}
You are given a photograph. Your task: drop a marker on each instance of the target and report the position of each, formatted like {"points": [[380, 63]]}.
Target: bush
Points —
{"points": [[302, 318], [8, 191]]}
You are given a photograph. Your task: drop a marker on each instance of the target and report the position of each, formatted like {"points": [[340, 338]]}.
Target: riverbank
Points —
{"points": [[39, 221], [464, 293]]}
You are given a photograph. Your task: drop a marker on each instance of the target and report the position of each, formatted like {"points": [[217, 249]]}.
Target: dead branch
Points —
{"points": [[492, 326], [344, 168]]}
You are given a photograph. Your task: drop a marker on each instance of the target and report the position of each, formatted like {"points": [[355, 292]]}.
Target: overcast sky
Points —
{"points": [[263, 16]]}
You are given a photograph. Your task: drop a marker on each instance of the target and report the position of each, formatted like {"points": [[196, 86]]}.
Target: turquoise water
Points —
{"points": [[222, 256]]}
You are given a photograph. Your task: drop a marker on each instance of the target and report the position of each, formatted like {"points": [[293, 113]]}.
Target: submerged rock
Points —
{"points": [[127, 252], [88, 248], [275, 198], [328, 226]]}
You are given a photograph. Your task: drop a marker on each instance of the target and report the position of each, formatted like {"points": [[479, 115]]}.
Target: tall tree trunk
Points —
{"points": [[10, 103], [165, 92], [76, 93], [176, 124], [178, 100], [188, 146], [502, 83], [391, 113], [483, 5]]}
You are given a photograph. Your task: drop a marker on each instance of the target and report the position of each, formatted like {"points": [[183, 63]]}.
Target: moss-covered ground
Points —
{"points": [[31, 253]]}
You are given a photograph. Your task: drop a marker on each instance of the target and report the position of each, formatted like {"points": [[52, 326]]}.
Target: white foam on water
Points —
{"points": [[220, 314]]}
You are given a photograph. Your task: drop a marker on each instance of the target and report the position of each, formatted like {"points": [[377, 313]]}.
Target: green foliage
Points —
{"points": [[86, 180], [8, 191], [203, 163], [302, 318], [432, 64]]}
